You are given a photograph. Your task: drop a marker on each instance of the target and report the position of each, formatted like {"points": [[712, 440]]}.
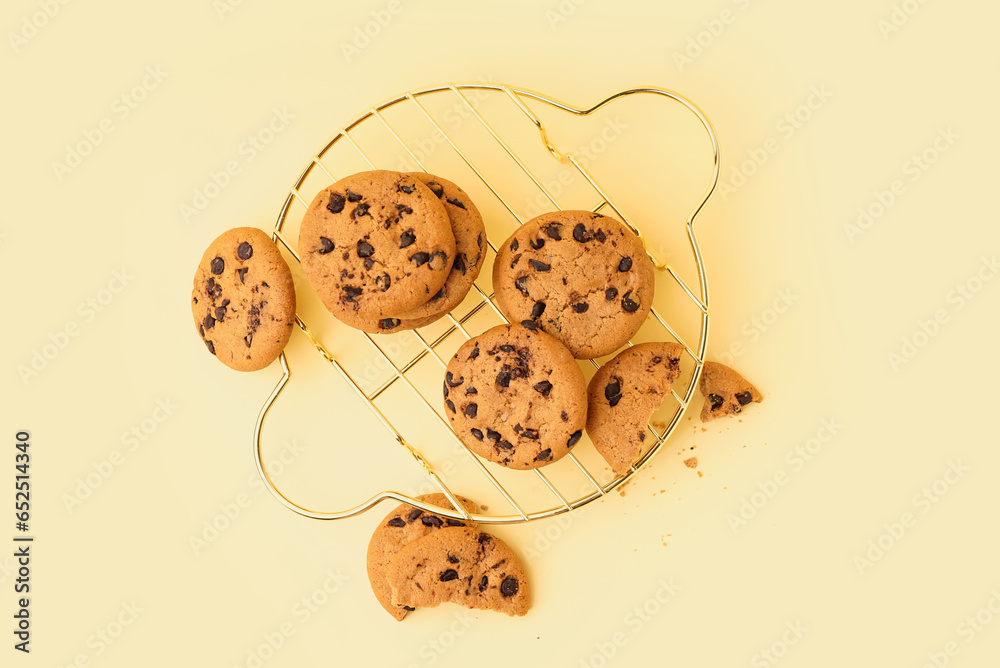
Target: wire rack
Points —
{"points": [[521, 507]]}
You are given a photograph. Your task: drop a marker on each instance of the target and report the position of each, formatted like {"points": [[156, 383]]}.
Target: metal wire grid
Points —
{"points": [[517, 96]]}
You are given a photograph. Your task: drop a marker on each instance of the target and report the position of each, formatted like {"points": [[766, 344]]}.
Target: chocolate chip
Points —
{"points": [[517, 258], [244, 251], [471, 410], [564, 416], [537, 243], [454, 523], [744, 398], [403, 210], [451, 405], [482, 583], [625, 264], [504, 445], [365, 249], [628, 305], [471, 390], [353, 197], [444, 386], [513, 246], [544, 456], [407, 238], [360, 210], [431, 521], [538, 265], [574, 438], [452, 559], [475, 352], [479, 240], [715, 401], [580, 307], [459, 264], [508, 587], [414, 514], [544, 388], [456, 203], [613, 392], [530, 433], [600, 236], [503, 378], [436, 189], [336, 203], [507, 348], [450, 379], [408, 608], [554, 230], [407, 189], [519, 284], [388, 323], [220, 312], [350, 292], [209, 322], [580, 233], [419, 258], [242, 273], [397, 522], [477, 433], [492, 435], [484, 538], [438, 260], [537, 309], [383, 282], [530, 324], [657, 359], [346, 256], [211, 347], [218, 266], [611, 294]]}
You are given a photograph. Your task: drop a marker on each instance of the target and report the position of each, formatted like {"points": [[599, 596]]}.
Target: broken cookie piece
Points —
{"points": [[726, 392], [460, 565]]}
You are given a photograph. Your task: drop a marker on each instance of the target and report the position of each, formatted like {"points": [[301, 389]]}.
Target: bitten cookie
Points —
{"points": [[516, 396], [726, 392], [243, 299], [463, 566], [624, 394], [404, 525], [375, 244], [470, 243], [583, 277]]}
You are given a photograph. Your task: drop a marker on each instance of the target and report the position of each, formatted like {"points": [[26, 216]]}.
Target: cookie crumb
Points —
{"points": [[700, 475], [691, 463]]}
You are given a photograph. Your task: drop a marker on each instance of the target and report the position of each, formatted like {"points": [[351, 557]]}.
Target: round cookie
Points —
{"points": [[624, 394], [583, 277], [243, 299], [404, 525], [376, 243], [515, 396], [461, 565], [470, 242]]}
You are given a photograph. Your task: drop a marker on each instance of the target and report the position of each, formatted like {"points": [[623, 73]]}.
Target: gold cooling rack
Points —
{"points": [[522, 506]]}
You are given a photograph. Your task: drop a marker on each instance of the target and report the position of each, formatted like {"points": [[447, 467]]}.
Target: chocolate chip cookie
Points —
{"points": [[726, 392], [462, 565], [404, 525], [624, 394], [470, 243], [582, 277], [243, 299], [375, 244], [515, 396]]}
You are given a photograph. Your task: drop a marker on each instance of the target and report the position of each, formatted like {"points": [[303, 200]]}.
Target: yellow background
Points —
{"points": [[116, 580]]}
